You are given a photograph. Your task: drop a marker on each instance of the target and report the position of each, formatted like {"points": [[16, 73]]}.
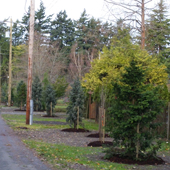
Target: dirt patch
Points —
{"points": [[96, 135], [22, 128], [79, 130], [126, 160], [99, 143]]}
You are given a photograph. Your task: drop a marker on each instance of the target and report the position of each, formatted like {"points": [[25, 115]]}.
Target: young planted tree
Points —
{"points": [[37, 93], [50, 100], [135, 105], [76, 104], [21, 94]]}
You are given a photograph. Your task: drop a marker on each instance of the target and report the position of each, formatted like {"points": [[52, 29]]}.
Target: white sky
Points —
{"points": [[17, 8], [95, 8]]}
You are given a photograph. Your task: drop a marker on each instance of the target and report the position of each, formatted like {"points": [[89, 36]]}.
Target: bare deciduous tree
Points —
{"points": [[133, 13]]}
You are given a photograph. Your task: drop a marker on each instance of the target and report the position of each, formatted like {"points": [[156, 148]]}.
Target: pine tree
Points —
{"points": [[63, 30], [21, 94], [17, 33], [42, 22], [135, 105], [37, 93], [158, 31], [50, 99], [76, 102]]}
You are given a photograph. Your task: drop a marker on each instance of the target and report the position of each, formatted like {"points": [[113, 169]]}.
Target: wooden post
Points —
{"points": [[30, 56], [100, 124], [78, 117], [103, 125], [10, 65], [137, 144], [51, 110]]}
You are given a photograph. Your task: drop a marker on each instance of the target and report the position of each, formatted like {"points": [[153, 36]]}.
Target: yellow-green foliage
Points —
{"points": [[114, 60]]}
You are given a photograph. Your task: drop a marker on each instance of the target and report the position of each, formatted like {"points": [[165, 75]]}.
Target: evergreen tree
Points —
{"points": [[158, 33], [135, 105], [60, 86], [37, 93], [21, 94], [63, 30], [82, 31], [76, 101], [17, 33], [50, 98], [45, 83], [42, 22], [25, 23]]}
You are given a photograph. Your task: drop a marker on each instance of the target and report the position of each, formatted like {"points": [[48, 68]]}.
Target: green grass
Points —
{"points": [[61, 106], [61, 156], [19, 121]]}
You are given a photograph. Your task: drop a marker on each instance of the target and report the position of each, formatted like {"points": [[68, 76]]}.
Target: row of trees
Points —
{"points": [[65, 47]]}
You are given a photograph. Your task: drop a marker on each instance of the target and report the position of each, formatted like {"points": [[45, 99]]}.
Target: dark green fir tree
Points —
{"points": [[21, 94], [76, 103], [50, 99], [135, 105], [37, 93]]}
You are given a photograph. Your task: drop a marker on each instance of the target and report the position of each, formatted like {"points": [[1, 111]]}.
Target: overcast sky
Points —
{"points": [[95, 8]]}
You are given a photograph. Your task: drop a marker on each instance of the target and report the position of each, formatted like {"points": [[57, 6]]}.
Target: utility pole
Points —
{"points": [[30, 56], [10, 65]]}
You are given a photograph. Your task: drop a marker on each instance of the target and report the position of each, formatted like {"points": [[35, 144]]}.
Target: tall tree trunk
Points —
{"points": [[143, 26]]}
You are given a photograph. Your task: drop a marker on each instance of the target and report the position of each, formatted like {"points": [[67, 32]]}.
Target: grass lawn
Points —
{"points": [[19, 121], [62, 156]]}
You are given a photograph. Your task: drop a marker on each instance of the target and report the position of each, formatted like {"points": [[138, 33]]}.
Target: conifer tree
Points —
{"points": [[37, 93], [21, 94], [50, 99], [76, 103], [135, 105], [157, 34]]}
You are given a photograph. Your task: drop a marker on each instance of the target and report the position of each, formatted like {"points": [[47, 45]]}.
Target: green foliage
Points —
{"points": [[21, 94], [60, 86], [113, 61], [63, 30], [157, 33], [135, 103], [37, 93], [76, 100], [17, 33], [50, 98], [42, 22], [45, 83], [4, 92]]}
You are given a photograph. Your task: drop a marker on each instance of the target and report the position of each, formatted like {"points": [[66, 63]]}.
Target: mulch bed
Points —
{"points": [[96, 135], [126, 160], [21, 127], [49, 116], [50, 122], [75, 130], [99, 144]]}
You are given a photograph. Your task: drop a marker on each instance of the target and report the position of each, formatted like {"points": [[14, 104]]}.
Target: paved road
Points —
{"points": [[13, 153]]}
